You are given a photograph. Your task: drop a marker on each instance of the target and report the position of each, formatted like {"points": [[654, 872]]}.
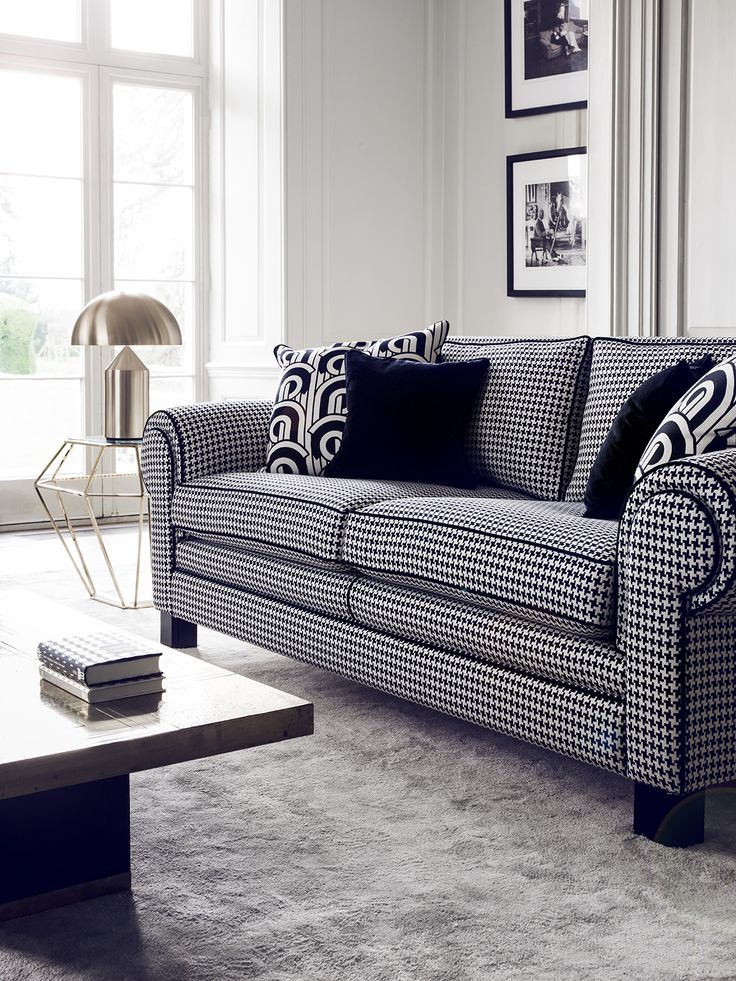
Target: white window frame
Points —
{"points": [[100, 66], [95, 47]]}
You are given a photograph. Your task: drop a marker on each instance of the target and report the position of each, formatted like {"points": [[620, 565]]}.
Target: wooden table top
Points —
{"points": [[49, 738]]}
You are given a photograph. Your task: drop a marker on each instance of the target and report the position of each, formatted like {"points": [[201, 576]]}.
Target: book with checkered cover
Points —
{"points": [[96, 659]]}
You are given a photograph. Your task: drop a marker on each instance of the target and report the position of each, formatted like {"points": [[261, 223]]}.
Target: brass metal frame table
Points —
{"points": [[86, 488], [65, 765]]}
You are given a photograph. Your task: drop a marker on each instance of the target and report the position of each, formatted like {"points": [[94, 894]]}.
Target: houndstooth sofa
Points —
{"points": [[613, 643]]}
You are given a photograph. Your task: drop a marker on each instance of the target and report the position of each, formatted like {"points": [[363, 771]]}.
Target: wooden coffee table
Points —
{"points": [[65, 765]]}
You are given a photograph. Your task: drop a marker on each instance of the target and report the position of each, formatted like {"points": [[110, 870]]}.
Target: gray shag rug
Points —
{"points": [[396, 843]]}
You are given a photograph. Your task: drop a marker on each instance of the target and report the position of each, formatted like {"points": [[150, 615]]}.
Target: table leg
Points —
{"points": [[64, 845]]}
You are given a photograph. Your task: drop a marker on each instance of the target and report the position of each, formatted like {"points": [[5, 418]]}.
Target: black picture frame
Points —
{"points": [[512, 162], [512, 7]]}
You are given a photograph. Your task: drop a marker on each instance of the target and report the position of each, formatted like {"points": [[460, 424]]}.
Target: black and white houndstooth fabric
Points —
{"points": [[158, 466], [677, 623], [619, 365], [322, 590], [310, 409], [527, 422], [583, 725], [505, 640], [190, 441], [540, 560], [413, 615], [282, 513], [213, 437]]}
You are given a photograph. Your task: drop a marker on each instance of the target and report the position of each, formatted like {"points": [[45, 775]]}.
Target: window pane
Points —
{"points": [[44, 414], [53, 20], [41, 264], [153, 134], [153, 232], [42, 124], [179, 298], [40, 227], [169, 392], [37, 316], [154, 26]]}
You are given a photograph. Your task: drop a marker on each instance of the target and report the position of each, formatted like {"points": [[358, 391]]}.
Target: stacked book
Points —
{"points": [[101, 667]]}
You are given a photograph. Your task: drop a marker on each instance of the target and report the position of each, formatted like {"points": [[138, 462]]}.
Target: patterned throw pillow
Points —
{"points": [[618, 367], [703, 420], [309, 413], [614, 470]]}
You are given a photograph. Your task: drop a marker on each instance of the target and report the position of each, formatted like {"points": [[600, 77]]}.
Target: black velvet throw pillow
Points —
{"points": [[408, 421], [612, 476]]}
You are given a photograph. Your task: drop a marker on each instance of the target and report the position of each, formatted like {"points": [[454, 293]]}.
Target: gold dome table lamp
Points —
{"points": [[116, 319]]}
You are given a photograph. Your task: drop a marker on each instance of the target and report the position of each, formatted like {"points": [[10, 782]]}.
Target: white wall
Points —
{"points": [[396, 147], [357, 171], [364, 143], [706, 217], [478, 138]]}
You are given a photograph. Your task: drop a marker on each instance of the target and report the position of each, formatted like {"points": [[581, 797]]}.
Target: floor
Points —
{"points": [[395, 843]]}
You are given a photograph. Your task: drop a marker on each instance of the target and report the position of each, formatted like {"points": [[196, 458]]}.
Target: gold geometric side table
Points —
{"points": [[86, 488]]}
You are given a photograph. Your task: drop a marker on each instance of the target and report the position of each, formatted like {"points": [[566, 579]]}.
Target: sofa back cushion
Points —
{"points": [[525, 428], [618, 366]]}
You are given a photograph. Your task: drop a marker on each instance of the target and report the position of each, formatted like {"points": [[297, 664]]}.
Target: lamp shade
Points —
{"points": [[117, 319]]}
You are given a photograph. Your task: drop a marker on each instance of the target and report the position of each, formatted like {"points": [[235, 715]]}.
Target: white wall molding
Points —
{"points": [[701, 281], [229, 380], [246, 228], [624, 153], [674, 105], [304, 172]]}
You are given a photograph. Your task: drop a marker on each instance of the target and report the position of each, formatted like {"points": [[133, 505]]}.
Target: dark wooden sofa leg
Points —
{"points": [[675, 820], [177, 633]]}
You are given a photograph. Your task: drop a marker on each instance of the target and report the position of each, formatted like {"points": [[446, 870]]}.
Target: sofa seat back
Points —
{"points": [[618, 366], [525, 430]]}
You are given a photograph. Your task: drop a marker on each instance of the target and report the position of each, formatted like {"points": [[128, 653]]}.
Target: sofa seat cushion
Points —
{"points": [[288, 514], [310, 587], [540, 560], [465, 628]]}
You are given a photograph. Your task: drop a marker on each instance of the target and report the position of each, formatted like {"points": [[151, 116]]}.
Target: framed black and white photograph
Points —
{"points": [[546, 56], [547, 196]]}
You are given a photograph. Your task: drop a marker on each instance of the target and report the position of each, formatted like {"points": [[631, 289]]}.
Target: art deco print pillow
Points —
{"points": [[309, 413], [703, 420]]}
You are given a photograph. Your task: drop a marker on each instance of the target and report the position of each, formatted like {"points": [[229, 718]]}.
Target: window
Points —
{"points": [[166, 27], [101, 187], [42, 285], [52, 20]]}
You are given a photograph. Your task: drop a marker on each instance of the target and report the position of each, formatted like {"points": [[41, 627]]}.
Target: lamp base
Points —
{"points": [[126, 396]]}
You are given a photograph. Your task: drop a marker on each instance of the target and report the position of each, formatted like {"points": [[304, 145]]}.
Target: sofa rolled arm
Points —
{"points": [[676, 623], [709, 482], [193, 441], [213, 437]]}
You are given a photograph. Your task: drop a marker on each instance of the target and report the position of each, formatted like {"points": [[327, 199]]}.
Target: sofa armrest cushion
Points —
{"points": [[211, 437], [708, 571]]}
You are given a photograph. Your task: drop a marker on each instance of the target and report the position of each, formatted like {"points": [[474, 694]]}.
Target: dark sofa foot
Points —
{"points": [[676, 820], [177, 633]]}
